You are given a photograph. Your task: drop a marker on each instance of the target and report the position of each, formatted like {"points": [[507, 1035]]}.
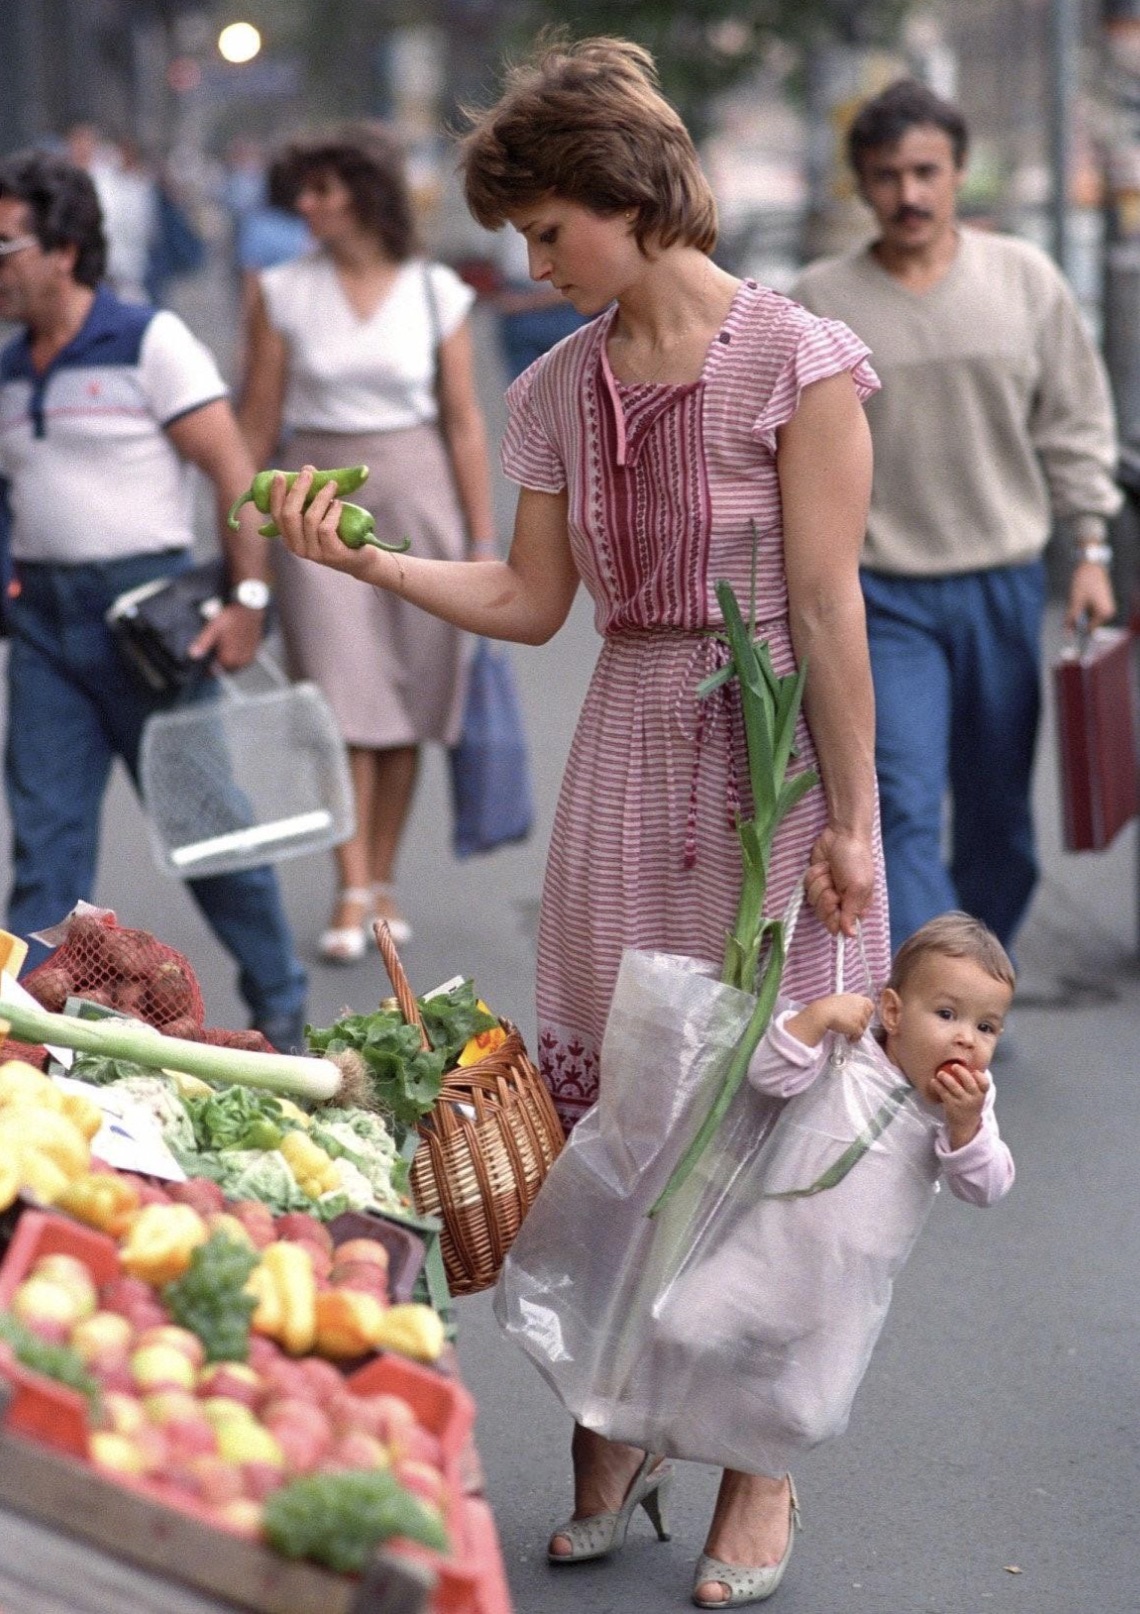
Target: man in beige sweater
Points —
{"points": [[994, 423]]}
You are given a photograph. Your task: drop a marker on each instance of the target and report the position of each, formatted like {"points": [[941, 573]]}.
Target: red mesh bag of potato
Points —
{"points": [[255, 1041], [129, 970], [30, 1053]]}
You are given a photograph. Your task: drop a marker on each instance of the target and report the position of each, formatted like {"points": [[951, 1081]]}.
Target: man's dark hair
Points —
{"points": [[904, 105], [64, 208]]}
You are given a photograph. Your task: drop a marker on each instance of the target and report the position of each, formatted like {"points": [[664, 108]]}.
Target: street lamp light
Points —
{"points": [[239, 42]]}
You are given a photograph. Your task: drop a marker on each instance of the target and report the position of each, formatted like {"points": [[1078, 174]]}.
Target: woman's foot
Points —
{"points": [[603, 1474], [751, 1528], [387, 907], [345, 940]]}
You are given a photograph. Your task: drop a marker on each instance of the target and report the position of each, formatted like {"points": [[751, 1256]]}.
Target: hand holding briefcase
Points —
{"points": [[1094, 691]]}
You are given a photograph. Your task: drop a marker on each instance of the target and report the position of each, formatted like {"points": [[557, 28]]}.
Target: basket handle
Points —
{"points": [[405, 997]]}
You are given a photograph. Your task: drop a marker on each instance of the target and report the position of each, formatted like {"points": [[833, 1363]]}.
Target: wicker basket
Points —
{"points": [[485, 1148]]}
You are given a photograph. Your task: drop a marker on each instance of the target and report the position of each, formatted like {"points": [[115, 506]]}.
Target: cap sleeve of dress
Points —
{"points": [[821, 348], [529, 455]]}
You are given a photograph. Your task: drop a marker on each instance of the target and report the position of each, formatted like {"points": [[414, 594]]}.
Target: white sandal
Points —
{"points": [[398, 926], [345, 944]]}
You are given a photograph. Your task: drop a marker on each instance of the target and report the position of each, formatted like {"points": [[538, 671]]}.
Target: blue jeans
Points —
{"points": [[527, 336], [956, 663], [73, 706]]}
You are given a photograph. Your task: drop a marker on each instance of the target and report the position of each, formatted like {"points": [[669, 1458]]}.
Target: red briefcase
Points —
{"points": [[1093, 688]]}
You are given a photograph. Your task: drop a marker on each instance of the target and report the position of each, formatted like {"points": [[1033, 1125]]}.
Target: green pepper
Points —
{"points": [[347, 479]]}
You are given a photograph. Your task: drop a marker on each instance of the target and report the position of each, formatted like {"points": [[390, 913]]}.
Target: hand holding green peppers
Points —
{"points": [[356, 526], [347, 479]]}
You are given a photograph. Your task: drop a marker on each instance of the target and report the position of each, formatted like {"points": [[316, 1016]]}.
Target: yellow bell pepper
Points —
{"points": [[21, 1083], [413, 1330], [47, 1148], [160, 1242], [482, 1043], [83, 1112], [285, 1288], [314, 1170], [102, 1199], [10, 1183]]}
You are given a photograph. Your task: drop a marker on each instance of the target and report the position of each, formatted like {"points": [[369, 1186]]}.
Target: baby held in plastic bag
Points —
{"points": [[786, 1300]]}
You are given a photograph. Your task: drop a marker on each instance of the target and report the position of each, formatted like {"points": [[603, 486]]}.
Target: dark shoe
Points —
{"points": [[285, 1031]]}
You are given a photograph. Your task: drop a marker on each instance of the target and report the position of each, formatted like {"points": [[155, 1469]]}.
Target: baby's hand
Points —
{"points": [[845, 1013], [962, 1093]]}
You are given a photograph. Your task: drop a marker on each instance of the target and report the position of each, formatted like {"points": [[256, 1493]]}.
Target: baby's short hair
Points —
{"points": [[953, 935]]}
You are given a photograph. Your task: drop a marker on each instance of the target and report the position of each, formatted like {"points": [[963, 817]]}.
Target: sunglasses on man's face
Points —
{"points": [[16, 243]]}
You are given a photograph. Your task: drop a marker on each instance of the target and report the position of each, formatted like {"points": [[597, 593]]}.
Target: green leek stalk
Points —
{"points": [[770, 705], [290, 1074]]}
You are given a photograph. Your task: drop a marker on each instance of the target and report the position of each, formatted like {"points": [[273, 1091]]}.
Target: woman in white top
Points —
{"points": [[359, 352]]}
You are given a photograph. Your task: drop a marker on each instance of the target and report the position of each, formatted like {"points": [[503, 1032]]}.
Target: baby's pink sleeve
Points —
{"points": [[982, 1171]]}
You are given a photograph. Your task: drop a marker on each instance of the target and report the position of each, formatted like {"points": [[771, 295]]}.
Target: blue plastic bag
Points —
{"points": [[491, 797]]}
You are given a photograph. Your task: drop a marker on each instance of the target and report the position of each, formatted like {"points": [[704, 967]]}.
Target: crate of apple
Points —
{"points": [[218, 1436]]}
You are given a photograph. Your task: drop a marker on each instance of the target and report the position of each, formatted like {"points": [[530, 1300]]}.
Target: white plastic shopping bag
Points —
{"points": [[735, 1326]]}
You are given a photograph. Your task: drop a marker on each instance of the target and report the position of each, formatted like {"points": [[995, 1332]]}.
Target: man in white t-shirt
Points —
{"points": [[105, 407]]}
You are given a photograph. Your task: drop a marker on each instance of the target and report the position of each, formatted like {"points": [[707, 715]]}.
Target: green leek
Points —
{"points": [[296, 1076], [770, 705]]}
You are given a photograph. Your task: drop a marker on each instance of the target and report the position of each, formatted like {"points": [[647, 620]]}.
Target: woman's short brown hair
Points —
{"points": [[586, 122], [368, 159], [953, 935]]}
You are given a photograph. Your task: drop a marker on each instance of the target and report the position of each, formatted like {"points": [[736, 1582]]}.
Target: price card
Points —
{"points": [[130, 1138]]}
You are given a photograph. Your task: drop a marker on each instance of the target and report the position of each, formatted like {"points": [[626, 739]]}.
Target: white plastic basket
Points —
{"points": [[245, 779]]}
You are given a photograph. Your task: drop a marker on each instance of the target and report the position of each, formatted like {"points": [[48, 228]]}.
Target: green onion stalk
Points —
{"points": [[753, 962], [770, 705], [295, 1076]]}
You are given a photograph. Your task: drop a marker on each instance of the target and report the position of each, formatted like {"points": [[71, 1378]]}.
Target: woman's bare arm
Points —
{"points": [[824, 464], [263, 382], [525, 598]]}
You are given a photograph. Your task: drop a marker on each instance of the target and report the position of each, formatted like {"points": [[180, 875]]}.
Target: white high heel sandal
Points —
{"points": [[345, 944], [400, 928]]}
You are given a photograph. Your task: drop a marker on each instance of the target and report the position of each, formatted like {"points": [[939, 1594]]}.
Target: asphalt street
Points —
{"points": [[991, 1460]]}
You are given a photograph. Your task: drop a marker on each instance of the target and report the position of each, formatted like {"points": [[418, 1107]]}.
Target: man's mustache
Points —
{"points": [[908, 215]]}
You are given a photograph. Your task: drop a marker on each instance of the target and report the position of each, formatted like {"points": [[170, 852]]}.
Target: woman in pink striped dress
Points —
{"points": [[697, 420]]}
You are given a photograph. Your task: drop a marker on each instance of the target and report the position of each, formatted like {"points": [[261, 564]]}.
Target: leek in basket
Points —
{"points": [[770, 705]]}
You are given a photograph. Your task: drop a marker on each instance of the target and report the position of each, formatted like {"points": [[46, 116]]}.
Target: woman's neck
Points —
{"points": [[668, 317]]}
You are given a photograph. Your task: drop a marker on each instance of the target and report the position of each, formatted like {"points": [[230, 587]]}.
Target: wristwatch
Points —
{"points": [[253, 593]]}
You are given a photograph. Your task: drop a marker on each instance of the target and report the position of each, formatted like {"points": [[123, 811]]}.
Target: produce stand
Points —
{"points": [[82, 1534]]}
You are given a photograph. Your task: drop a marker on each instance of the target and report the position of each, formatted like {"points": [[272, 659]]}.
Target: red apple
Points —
{"points": [[421, 1445], [180, 1339], [122, 1412], [236, 1381], [304, 1227], [263, 1351], [366, 1276], [103, 1333], [161, 1367], [261, 1479], [285, 1377], [205, 1196], [355, 1449], [217, 1481], [188, 1431], [256, 1218], [243, 1516], [362, 1250], [123, 1293], [422, 1479], [324, 1379], [116, 1453], [48, 1308], [74, 1275]]}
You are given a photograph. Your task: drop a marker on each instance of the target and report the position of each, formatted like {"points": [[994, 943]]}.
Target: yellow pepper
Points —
{"points": [[83, 1112], [285, 1288], [39, 1174], [21, 1083], [160, 1242], [102, 1199], [10, 1183], [26, 1129], [314, 1170], [482, 1043], [413, 1330]]}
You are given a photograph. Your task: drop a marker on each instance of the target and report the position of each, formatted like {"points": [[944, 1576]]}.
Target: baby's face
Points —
{"points": [[950, 1011]]}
